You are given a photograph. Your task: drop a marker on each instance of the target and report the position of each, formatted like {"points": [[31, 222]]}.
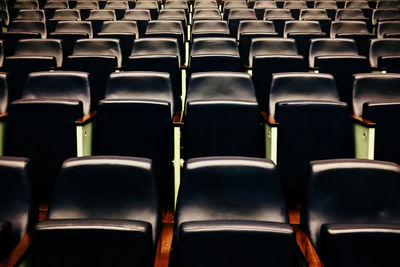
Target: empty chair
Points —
{"points": [[384, 15], [161, 55], [152, 6], [388, 29], [249, 29], [272, 55], [99, 57], [295, 100], [319, 15], [31, 55], [85, 8], [237, 15], [329, 6], [278, 17], [17, 211], [175, 15], [303, 32], [387, 5], [232, 5], [206, 14], [363, 5], [53, 100], [356, 30], [232, 205], [146, 99], [69, 32], [119, 7], [98, 17], [141, 17], [205, 5], [352, 14], [107, 236], [31, 14], [62, 15], [260, 6], [351, 214], [19, 5], [295, 7], [229, 99], [125, 31], [385, 54], [183, 5], [52, 6], [339, 57], [214, 54], [376, 98], [210, 28], [168, 29]]}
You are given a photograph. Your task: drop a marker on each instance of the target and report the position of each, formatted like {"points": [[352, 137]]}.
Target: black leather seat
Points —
{"points": [[31, 14], [175, 4], [116, 224], [232, 206], [356, 30], [385, 54], [329, 6], [41, 125], [119, 7], [303, 32], [260, 7], [295, 7], [152, 6], [278, 17], [385, 15], [315, 14], [353, 14], [313, 124], [387, 5], [228, 5], [175, 15], [249, 29], [51, 6], [17, 214], [238, 15], [85, 8], [125, 31], [147, 101], [272, 55], [375, 98], [168, 29], [62, 15], [388, 29], [205, 5], [158, 54], [351, 212], [210, 28], [69, 32], [340, 58], [98, 17], [31, 55], [19, 5], [141, 16], [214, 54], [221, 116], [99, 57], [206, 14]]}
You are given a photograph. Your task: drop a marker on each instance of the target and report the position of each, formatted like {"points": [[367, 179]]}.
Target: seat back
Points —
{"points": [[40, 48], [388, 29], [29, 27], [385, 48]]}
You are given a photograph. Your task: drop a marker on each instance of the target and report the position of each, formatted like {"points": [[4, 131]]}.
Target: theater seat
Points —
{"points": [[116, 224], [62, 15], [41, 125], [350, 212], [385, 54], [232, 206], [141, 16], [388, 29], [17, 214], [311, 124], [209, 28]]}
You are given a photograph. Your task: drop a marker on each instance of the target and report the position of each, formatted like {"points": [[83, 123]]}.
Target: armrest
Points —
{"points": [[164, 245], [177, 120], [269, 119], [19, 251], [87, 118], [3, 116], [306, 247], [363, 121]]}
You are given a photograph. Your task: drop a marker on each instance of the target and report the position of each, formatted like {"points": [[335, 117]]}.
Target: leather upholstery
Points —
{"points": [[228, 6], [214, 54], [237, 15], [152, 6], [16, 211], [204, 5], [295, 7], [210, 28], [29, 26], [359, 244], [388, 29], [278, 17], [206, 14], [384, 14], [221, 116], [351, 191], [376, 98], [385, 48], [260, 6], [141, 16], [313, 124], [268, 56], [34, 15], [83, 27], [174, 14]]}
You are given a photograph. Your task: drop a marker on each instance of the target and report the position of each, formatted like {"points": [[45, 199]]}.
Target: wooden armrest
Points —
{"points": [[247, 67], [268, 118], [164, 245], [177, 120], [86, 118], [307, 248], [19, 250], [363, 122], [3, 115]]}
